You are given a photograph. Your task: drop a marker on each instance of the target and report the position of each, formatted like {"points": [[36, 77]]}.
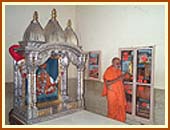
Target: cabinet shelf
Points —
{"points": [[143, 84]]}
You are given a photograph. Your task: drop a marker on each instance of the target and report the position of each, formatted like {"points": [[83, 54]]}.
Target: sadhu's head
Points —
{"points": [[116, 62]]}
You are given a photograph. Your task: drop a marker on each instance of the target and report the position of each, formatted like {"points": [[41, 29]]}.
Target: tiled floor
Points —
{"points": [[82, 118], [159, 110], [8, 100], [159, 107]]}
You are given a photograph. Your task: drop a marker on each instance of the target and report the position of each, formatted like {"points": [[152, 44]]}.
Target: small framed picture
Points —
{"points": [[94, 65]]}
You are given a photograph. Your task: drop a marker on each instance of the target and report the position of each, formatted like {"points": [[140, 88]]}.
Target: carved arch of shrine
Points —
{"points": [[38, 54]]}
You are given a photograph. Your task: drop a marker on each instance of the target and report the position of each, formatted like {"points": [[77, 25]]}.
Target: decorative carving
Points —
{"points": [[36, 52]]}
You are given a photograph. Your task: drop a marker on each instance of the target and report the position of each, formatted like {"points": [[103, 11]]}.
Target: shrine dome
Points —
{"points": [[53, 31], [70, 35], [34, 31]]}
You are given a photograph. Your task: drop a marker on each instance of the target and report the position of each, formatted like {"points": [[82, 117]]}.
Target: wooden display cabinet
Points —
{"points": [[139, 63]]}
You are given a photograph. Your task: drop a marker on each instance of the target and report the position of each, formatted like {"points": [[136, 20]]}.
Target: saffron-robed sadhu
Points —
{"points": [[116, 100]]}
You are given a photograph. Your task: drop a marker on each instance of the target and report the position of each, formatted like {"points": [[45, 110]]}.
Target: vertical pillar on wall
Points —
{"points": [[23, 88], [80, 92], [134, 83], [29, 95], [31, 98], [64, 81], [15, 83], [152, 84], [19, 87], [64, 63], [34, 94]]}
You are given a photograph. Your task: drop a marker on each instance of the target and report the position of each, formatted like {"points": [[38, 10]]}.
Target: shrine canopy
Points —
{"points": [[52, 39]]}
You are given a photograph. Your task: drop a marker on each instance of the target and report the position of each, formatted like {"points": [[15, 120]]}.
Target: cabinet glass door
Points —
{"points": [[127, 57], [127, 63], [128, 94], [144, 64], [143, 77], [143, 101]]}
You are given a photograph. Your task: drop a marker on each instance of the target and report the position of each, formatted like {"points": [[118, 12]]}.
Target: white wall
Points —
{"points": [[110, 27], [17, 19], [103, 27]]}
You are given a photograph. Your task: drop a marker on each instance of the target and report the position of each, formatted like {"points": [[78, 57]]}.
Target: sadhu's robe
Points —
{"points": [[116, 100]]}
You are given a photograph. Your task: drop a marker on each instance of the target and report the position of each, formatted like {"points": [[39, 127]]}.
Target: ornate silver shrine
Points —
{"points": [[38, 46]]}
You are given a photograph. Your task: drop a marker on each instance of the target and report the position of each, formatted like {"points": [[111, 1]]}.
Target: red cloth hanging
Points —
{"points": [[15, 55]]}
